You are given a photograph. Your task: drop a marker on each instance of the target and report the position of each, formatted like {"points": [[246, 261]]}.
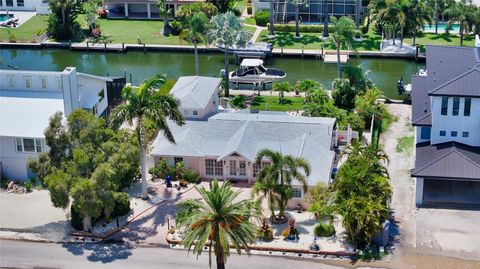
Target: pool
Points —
{"points": [[442, 27], [4, 17]]}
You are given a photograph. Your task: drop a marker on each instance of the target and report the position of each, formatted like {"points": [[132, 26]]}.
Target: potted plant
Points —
{"points": [[265, 232], [291, 233]]}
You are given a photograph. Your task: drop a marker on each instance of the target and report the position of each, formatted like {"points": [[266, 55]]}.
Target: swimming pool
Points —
{"points": [[442, 26], [4, 17]]}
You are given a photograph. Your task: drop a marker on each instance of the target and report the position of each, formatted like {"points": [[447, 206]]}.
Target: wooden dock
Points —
{"points": [[329, 57]]}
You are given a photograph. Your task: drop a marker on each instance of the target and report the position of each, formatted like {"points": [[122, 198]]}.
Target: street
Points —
{"points": [[17, 254]]}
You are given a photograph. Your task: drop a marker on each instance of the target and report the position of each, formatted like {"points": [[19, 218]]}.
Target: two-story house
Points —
{"points": [[446, 116]]}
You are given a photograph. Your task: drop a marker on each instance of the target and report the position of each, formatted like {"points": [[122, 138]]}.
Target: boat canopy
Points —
{"points": [[251, 62]]}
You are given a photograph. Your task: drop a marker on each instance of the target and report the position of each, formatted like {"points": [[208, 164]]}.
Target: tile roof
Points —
{"points": [[245, 134], [450, 160], [194, 92], [467, 84]]}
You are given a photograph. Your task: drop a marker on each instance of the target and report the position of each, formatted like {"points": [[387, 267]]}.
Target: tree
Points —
{"points": [[87, 203], [274, 182], [57, 140], [306, 85], [393, 12], [437, 8], [222, 5], [325, 18], [281, 88], [165, 12], [226, 30], [367, 104], [297, 4], [462, 13], [318, 104], [417, 15], [343, 33], [217, 221], [146, 103], [61, 21], [343, 94], [320, 199], [272, 13], [186, 11], [195, 34]]}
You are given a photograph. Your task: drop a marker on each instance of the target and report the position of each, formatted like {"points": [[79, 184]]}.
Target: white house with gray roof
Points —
{"points": [[446, 116], [225, 146], [198, 96]]}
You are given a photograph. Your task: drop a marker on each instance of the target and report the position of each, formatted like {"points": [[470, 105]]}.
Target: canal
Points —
{"points": [[383, 71]]}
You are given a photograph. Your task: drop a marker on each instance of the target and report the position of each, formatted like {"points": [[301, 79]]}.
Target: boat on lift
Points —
{"points": [[251, 50], [252, 71]]}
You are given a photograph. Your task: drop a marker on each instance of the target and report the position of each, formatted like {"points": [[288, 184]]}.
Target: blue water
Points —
{"points": [[4, 17], [442, 27]]}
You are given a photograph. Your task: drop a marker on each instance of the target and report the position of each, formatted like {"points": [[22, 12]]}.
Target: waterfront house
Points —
{"points": [[141, 9], [225, 145], [29, 98], [446, 116], [39, 6], [198, 96]]}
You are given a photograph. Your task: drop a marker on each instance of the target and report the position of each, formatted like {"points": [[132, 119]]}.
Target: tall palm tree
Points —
{"points": [[343, 33], [146, 104], [195, 34], [297, 4], [218, 221], [462, 13], [278, 177], [418, 14], [164, 11], [325, 18], [227, 31], [272, 13]]}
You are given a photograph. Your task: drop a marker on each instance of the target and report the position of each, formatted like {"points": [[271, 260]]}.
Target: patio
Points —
{"points": [[22, 16]]}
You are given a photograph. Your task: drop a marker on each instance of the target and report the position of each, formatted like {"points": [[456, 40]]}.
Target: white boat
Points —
{"points": [[253, 71], [251, 50]]}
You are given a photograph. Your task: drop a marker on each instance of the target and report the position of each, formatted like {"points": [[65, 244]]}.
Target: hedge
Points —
{"points": [[303, 28], [324, 230], [262, 18]]}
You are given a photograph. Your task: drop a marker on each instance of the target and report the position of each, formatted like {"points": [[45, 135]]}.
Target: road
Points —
{"points": [[17, 254]]}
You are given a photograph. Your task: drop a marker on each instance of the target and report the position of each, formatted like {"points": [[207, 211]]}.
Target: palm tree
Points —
{"points": [[164, 11], [195, 34], [325, 18], [297, 4], [418, 14], [227, 31], [274, 182], [281, 88], [272, 13], [218, 221], [146, 104], [343, 33], [462, 13]]}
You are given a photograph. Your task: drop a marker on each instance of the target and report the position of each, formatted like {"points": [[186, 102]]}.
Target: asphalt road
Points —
{"points": [[17, 254]]}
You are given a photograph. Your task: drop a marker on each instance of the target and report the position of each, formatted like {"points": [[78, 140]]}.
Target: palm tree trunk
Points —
{"points": [[461, 33], [394, 32], [297, 32], [339, 63], [325, 18], [220, 260], [272, 13], [197, 67], [401, 37], [143, 163], [63, 15], [227, 79], [414, 35], [436, 21], [87, 224]]}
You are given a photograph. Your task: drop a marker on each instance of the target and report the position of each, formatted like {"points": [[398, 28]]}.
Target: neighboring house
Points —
{"points": [[142, 8], [29, 98], [225, 146], [198, 96], [446, 116], [39, 6], [313, 11]]}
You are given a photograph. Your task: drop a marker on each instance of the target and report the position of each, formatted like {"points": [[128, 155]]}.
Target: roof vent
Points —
{"points": [[477, 41]]}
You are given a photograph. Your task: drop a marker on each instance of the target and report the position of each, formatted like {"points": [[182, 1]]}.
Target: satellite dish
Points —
{"points": [[477, 41]]}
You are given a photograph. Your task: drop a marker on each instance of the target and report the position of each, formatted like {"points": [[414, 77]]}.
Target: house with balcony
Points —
{"points": [[27, 101], [446, 117], [141, 9]]}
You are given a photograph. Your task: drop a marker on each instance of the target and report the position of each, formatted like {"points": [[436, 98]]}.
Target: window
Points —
{"points": [[94, 109], [233, 167], [468, 105], [297, 193], [443, 133], [59, 83], [453, 133], [101, 94], [243, 170], [456, 106], [425, 133], [28, 145], [9, 3], [465, 134], [195, 113], [213, 168], [43, 82], [21, 3], [444, 105], [28, 82], [177, 160], [256, 169], [11, 81], [265, 164], [185, 112]]}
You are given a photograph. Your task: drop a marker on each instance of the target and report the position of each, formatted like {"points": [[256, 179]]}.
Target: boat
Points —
{"points": [[251, 50], [253, 71]]}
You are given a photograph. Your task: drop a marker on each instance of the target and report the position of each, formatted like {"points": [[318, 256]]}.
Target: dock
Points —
{"points": [[330, 58]]}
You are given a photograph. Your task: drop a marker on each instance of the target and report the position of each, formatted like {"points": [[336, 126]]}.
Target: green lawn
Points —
{"points": [[27, 32], [249, 20], [441, 39], [271, 103]]}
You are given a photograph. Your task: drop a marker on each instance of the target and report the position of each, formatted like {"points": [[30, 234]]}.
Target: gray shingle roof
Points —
{"points": [[467, 84], [450, 160], [246, 134], [420, 101], [194, 92]]}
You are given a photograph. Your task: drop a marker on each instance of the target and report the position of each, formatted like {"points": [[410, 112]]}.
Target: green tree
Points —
{"points": [[274, 182], [217, 222], [318, 104], [57, 139], [271, 14], [62, 20], [306, 85], [297, 4], [463, 14], [368, 105], [320, 199], [343, 94], [222, 5], [146, 103], [185, 12], [41, 166], [195, 34], [281, 88], [342, 36], [86, 202], [227, 31], [165, 12], [418, 14], [59, 184]]}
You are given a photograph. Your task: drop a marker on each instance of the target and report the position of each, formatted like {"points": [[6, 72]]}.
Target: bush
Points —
{"points": [[122, 204], [28, 186], [176, 27], [76, 220], [324, 230], [265, 232], [236, 11], [357, 123], [161, 170], [239, 101], [303, 28], [364, 29], [192, 176], [262, 18]]}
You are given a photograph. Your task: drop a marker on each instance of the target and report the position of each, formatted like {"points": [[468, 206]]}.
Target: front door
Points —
{"points": [[237, 169]]}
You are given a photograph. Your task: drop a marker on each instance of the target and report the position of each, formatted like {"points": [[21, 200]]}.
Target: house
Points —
{"points": [[144, 9], [446, 116], [313, 10], [29, 98], [198, 96], [225, 145], [39, 6]]}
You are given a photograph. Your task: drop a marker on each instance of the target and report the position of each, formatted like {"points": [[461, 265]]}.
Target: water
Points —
{"points": [[442, 27], [384, 72], [4, 17]]}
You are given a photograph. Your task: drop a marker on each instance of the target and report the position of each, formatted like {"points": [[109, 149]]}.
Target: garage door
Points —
{"points": [[451, 192]]}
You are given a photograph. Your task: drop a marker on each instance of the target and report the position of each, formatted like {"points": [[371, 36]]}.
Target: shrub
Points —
{"points": [[28, 186], [192, 176], [265, 232], [324, 230], [161, 170], [236, 11], [262, 18], [176, 27], [249, 9], [122, 204], [357, 123], [303, 28], [364, 29], [239, 101]]}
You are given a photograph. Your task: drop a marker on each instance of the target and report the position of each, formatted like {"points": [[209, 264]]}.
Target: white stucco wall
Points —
{"points": [[14, 163], [458, 123]]}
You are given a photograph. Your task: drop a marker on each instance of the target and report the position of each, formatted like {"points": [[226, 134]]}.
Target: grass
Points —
{"points": [[271, 103], [250, 21], [167, 86], [27, 32], [440, 39], [405, 144]]}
